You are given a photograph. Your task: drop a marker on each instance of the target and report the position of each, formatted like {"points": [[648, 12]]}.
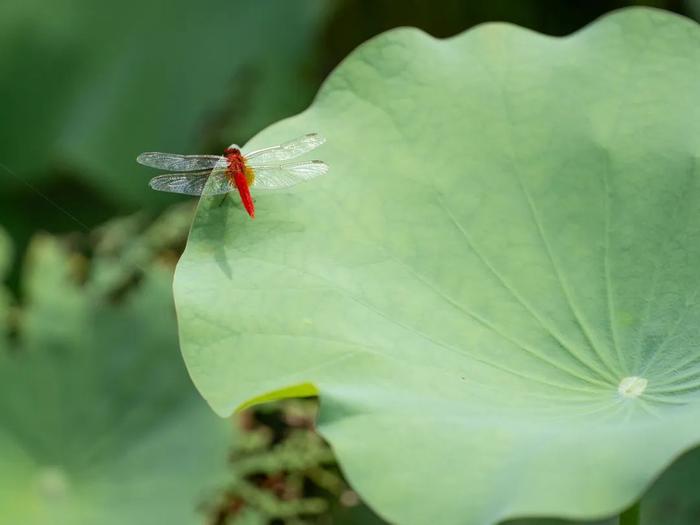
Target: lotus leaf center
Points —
{"points": [[632, 386]]}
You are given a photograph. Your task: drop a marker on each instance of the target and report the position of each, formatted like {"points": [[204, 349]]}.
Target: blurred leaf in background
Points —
{"points": [[99, 421]]}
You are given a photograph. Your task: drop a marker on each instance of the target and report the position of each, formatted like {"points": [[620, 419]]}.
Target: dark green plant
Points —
{"points": [[285, 473]]}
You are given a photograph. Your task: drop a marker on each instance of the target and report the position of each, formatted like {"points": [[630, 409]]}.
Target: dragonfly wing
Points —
{"points": [[273, 177], [192, 183], [286, 151], [218, 184], [175, 162]]}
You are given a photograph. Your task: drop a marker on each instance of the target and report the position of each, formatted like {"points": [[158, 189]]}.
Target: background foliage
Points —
{"points": [[86, 86]]}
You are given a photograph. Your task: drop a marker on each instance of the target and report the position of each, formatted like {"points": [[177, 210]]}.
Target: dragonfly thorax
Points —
{"points": [[237, 164]]}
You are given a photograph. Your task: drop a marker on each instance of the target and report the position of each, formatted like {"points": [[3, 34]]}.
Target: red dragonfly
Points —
{"points": [[264, 169]]}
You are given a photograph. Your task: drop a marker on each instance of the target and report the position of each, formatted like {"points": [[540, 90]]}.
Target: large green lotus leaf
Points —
{"points": [[134, 76], [99, 423], [494, 289]]}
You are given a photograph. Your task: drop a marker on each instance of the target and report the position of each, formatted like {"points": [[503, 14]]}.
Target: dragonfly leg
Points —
{"points": [[223, 199]]}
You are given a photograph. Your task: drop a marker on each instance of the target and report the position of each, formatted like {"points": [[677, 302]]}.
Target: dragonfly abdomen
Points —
{"points": [[239, 173]]}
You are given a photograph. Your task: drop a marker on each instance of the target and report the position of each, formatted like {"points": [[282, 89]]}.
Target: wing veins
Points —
{"points": [[193, 182], [285, 151], [177, 162], [285, 175]]}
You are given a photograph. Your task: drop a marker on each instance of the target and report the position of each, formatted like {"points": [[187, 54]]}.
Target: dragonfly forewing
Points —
{"points": [[286, 151], [176, 162]]}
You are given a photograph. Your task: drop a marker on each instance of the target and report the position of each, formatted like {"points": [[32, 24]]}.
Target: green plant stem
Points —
{"points": [[631, 516]]}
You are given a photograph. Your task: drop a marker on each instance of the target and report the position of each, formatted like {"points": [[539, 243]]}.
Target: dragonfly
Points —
{"points": [[270, 168]]}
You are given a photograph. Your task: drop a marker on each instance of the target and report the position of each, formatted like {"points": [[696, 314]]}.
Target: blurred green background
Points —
{"points": [[89, 362]]}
